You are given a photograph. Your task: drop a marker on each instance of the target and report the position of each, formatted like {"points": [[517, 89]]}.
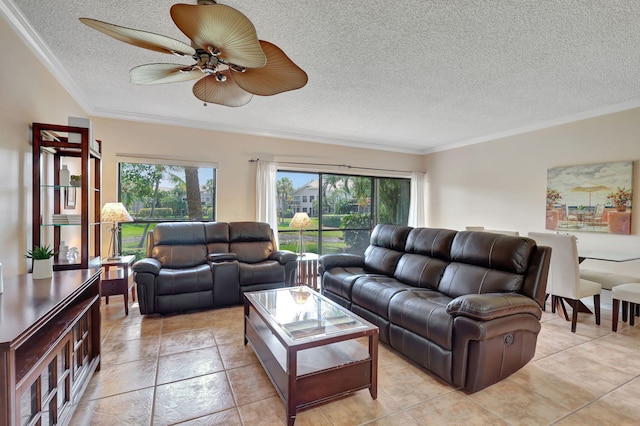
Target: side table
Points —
{"points": [[117, 279], [307, 270]]}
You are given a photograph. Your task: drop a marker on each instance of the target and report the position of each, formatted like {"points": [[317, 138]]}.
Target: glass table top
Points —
{"points": [[302, 313]]}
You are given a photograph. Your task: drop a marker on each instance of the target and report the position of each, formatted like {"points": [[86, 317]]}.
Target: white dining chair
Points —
{"points": [[564, 282]]}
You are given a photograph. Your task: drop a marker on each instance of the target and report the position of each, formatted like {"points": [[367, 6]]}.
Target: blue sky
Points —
{"points": [[298, 179]]}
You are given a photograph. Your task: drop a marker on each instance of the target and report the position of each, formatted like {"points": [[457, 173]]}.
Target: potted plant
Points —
{"points": [[42, 257], [620, 199], [553, 196], [75, 180]]}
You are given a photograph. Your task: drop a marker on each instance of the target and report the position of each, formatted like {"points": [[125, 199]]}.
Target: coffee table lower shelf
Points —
{"points": [[312, 374]]}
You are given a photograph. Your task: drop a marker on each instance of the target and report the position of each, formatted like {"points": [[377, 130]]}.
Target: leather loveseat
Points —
{"points": [[199, 265], [464, 305]]}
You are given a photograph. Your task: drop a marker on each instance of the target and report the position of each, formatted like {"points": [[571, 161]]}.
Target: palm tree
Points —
{"points": [[284, 187]]}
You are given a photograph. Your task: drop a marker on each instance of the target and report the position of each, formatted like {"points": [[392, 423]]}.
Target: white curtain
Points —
{"points": [[418, 200], [267, 196]]}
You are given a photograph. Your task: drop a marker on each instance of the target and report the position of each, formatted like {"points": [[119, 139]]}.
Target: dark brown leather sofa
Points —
{"points": [[199, 265], [464, 305]]}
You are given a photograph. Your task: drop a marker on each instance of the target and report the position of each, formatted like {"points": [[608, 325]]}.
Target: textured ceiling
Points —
{"points": [[404, 75]]}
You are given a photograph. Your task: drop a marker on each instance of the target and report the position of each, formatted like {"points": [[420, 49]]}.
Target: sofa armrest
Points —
{"points": [[283, 256], [489, 306], [148, 265], [221, 257], [329, 261]]}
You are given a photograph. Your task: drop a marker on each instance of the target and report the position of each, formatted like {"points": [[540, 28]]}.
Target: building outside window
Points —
{"points": [[343, 208]]}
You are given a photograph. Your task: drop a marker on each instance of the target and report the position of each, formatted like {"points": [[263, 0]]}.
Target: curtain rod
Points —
{"points": [[348, 166]]}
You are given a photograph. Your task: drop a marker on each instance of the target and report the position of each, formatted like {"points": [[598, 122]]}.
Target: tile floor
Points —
{"points": [[193, 369]]}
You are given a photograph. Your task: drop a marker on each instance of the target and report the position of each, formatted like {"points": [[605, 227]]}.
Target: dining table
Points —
{"points": [[607, 255]]}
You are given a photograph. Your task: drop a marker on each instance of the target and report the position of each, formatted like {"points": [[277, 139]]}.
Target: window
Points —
{"points": [[344, 209], [304, 198], [154, 193]]}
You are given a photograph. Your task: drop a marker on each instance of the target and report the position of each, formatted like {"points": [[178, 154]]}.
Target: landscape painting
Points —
{"points": [[590, 198]]}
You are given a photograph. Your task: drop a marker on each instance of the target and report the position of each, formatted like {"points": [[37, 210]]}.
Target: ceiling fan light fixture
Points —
{"points": [[222, 40], [237, 68]]}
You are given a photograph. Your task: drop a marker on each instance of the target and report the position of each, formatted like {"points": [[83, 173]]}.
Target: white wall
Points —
{"points": [[502, 184], [28, 93]]}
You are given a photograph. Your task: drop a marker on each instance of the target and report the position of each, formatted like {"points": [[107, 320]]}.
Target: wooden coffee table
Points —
{"points": [[312, 349]]}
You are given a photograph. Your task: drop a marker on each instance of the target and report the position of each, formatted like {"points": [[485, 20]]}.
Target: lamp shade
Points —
{"points": [[115, 212], [300, 220]]}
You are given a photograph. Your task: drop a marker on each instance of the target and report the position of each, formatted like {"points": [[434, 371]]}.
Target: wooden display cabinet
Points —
{"points": [[53, 146], [49, 345]]}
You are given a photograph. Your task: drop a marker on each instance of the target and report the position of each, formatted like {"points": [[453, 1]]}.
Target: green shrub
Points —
{"points": [[159, 212], [332, 220], [356, 241]]}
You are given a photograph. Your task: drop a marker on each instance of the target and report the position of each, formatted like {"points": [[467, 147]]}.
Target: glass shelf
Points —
{"points": [[64, 186]]}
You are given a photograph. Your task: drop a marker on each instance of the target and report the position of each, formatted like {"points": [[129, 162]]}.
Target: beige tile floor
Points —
{"points": [[193, 369]]}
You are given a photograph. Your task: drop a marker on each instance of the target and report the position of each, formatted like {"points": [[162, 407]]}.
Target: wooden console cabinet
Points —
{"points": [[49, 345]]}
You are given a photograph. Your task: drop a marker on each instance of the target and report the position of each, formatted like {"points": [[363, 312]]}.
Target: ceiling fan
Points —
{"points": [[231, 64]]}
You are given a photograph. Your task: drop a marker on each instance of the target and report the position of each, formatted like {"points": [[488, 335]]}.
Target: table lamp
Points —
{"points": [[114, 212], [300, 221]]}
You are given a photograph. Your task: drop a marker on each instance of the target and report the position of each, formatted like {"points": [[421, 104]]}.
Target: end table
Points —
{"points": [[117, 279], [307, 270]]}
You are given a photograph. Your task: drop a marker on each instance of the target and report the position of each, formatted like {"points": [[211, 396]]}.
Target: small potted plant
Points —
{"points": [[620, 199], [76, 180], [42, 257], [553, 196]]}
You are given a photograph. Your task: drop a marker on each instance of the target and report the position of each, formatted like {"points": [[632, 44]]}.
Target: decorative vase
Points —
{"points": [[621, 208], [64, 176], [42, 268]]}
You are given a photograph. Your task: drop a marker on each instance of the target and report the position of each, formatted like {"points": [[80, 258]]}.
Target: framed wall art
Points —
{"points": [[590, 198]]}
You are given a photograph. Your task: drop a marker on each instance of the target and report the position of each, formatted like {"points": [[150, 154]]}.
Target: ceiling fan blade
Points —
{"points": [[209, 89], [279, 75], [163, 73], [144, 39], [222, 27]]}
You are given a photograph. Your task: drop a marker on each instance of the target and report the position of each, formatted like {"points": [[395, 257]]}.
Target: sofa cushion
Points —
{"points": [[420, 271], [461, 278], [431, 242], [424, 312], [340, 280], [386, 248], [179, 245], [217, 237], [493, 251], [175, 281], [252, 242], [373, 293], [269, 271]]}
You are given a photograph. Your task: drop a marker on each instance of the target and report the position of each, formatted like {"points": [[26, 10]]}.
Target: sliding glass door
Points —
{"points": [[343, 209]]}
